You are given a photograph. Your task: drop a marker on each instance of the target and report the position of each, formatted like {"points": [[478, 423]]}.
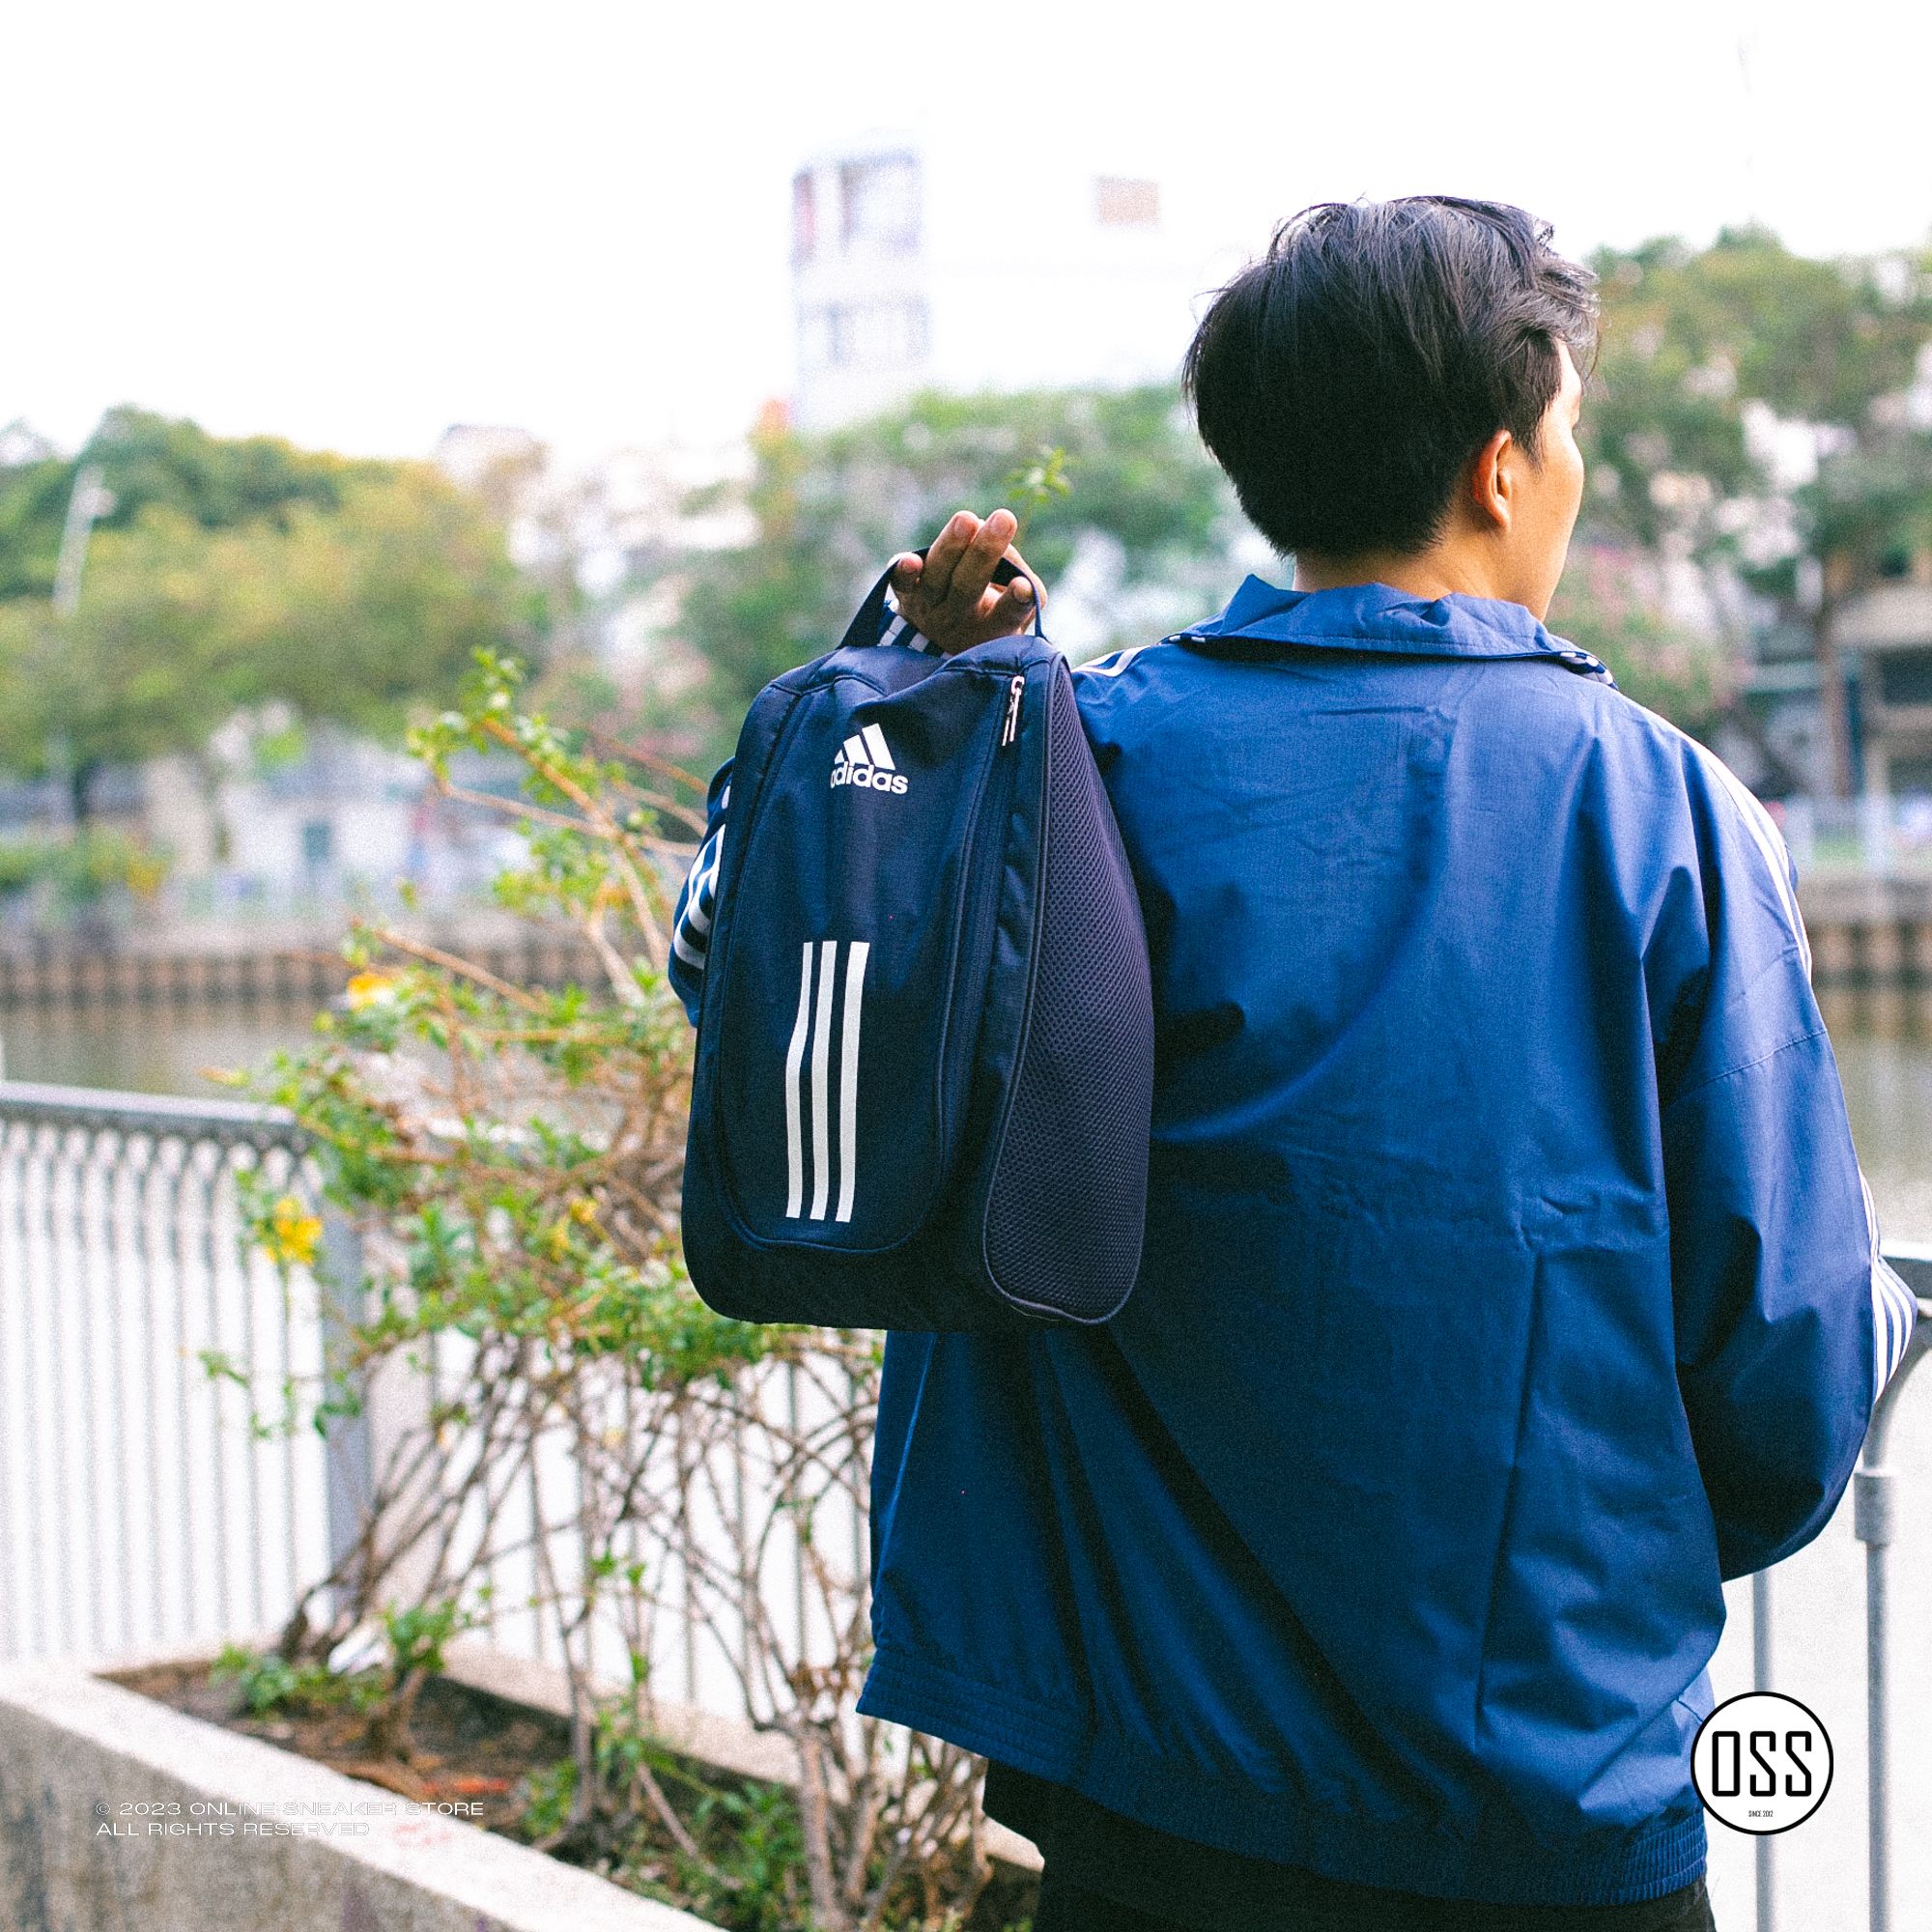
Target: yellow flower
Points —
{"points": [[371, 989], [293, 1234], [583, 1212]]}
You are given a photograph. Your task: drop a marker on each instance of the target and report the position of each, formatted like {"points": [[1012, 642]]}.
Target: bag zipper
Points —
{"points": [[1024, 1031], [1010, 729]]}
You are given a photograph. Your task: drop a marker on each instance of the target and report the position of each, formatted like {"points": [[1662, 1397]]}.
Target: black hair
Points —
{"points": [[1345, 378]]}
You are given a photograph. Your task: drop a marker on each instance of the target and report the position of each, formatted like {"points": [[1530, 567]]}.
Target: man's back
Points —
{"points": [[1508, 1281]]}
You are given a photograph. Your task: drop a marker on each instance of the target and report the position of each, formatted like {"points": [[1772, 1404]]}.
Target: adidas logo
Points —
{"points": [[865, 760]]}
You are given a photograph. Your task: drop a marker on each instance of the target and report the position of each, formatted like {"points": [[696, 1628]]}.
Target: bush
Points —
{"points": [[584, 1425]]}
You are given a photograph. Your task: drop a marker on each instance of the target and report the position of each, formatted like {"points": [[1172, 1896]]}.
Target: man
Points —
{"points": [[1509, 1281]]}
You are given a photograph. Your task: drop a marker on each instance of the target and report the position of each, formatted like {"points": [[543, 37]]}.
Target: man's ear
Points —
{"points": [[1491, 495]]}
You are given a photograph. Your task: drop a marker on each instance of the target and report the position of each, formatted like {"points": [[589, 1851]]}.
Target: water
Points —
{"points": [[1884, 1047], [1883, 1043], [158, 1049]]}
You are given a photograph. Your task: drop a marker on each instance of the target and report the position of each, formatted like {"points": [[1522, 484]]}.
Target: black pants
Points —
{"points": [[1066, 1906]]}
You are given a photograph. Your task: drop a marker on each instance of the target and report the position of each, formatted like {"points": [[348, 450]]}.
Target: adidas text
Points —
{"points": [[844, 774]]}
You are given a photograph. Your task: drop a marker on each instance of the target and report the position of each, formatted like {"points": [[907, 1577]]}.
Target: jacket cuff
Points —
{"points": [[900, 633]]}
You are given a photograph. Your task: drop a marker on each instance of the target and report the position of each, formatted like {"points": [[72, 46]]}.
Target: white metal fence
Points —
{"points": [[137, 1508], [1878, 834], [152, 1500]]}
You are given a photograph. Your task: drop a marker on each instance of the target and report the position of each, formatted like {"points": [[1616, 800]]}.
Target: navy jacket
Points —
{"points": [[1510, 1280]]}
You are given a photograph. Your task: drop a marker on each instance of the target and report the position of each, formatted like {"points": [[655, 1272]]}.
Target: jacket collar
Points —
{"points": [[1377, 617]]}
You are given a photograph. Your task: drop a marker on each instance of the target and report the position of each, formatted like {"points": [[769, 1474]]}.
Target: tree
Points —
{"points": [[350, 609], [1754, 416], [1691, 340], [359, 613], [33, 492], [1609, 603], [150, 462], [830, 508], [146, 667]]}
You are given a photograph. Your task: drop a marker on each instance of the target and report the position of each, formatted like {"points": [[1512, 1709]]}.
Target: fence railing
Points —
{"points": [[1878, 834], [1874, 1504], [138, 1508], [144, 1506], [153, 1496]]}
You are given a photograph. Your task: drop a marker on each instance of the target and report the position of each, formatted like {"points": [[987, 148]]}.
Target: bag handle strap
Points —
{"points": [[869, 625]]}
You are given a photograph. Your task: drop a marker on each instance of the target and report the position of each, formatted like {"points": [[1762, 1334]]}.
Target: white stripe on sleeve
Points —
{"points": [[1766, 837], [901, 631], [1115, 662], [1894, 1307], [689, 936]]}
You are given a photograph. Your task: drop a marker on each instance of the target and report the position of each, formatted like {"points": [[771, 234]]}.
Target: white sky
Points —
{"points": [[354, 224]]}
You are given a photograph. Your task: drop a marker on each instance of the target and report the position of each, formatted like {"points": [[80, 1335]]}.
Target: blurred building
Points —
{"points": [[904, 278], [331, 819], [609, 532], [1884, 639], [490, 460]]}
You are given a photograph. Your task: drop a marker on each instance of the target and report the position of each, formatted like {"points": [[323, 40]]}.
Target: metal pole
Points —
{"points": [[348, 1450], [1872, 1496], [1761, 1680], [1874, 1510], [87, 501]]}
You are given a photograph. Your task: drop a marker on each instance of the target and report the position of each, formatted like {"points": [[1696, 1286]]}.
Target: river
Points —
{"points": [[158, 1049], [1883, 1043]]}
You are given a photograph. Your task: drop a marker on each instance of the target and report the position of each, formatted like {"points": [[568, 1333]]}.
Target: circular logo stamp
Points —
{"points": [[1761, 1763]]}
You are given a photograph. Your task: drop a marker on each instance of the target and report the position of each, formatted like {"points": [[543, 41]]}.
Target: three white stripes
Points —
{"points": [[1768, 840], [1894, 1306], [812, 1029]]}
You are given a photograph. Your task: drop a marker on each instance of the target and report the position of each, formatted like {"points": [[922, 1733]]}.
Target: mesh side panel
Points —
{"points": [[1068, 1201]]}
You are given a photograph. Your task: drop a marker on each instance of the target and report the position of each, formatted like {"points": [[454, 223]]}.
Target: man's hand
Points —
{"points": [[950, 598]]}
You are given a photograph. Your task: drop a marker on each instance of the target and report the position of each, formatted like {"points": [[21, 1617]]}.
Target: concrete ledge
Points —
{"points": [[239, 1836]]}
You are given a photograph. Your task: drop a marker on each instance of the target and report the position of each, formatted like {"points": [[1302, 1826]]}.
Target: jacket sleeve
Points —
{"points": [[696, 899], [1788, 1321]]}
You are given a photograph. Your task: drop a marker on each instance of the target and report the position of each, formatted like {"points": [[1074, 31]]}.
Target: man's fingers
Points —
{"points": [[1001, 613], [947, 548], [1015, 608], [974, 570], [952, 596], [1026, 583]]}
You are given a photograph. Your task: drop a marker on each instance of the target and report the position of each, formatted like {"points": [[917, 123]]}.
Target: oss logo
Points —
{"points": [[1761, 1763]]}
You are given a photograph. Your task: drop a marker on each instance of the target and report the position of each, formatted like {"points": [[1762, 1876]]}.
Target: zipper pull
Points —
{"points": [[1011, 730]]}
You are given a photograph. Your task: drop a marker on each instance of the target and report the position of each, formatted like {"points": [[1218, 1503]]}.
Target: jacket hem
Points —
{"points": [[1502, 1863]]}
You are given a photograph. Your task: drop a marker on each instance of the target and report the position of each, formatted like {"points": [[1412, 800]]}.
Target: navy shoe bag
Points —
{"points": [[926, 1051]]}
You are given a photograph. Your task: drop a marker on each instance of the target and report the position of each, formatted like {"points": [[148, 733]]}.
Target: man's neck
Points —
{"points": [[1430, 574]]}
